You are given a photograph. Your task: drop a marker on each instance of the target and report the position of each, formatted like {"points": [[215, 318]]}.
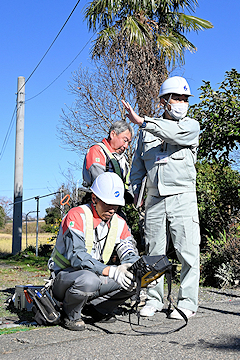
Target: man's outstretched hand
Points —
{"points": [[133, 117]]}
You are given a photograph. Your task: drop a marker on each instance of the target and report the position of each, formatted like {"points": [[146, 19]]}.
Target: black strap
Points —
{"points": [[169, 297], [108, 160], [134, 308]]}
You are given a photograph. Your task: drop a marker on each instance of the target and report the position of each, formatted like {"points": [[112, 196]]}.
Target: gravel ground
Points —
{"points": [[206, 294], [213, 295]]}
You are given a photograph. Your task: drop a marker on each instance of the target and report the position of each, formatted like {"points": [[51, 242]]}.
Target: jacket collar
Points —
{"points": [[106, 142]]}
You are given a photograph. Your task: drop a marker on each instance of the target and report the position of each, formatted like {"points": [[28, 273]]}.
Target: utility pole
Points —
{"points": [[37, 198], [18, 175]]}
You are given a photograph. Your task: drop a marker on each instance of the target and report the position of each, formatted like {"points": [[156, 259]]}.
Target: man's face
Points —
{"points": [[104, 211], [175, 99], [120, 142]]}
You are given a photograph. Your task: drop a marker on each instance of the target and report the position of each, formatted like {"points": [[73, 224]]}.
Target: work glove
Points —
{"points": [[122, 276]]}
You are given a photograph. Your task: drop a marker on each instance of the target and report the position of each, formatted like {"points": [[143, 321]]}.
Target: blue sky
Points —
{"points": [[27, 30]]}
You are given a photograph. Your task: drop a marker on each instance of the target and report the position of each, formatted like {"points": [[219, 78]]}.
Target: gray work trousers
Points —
{"points": [[176, 215], [75, 288]]}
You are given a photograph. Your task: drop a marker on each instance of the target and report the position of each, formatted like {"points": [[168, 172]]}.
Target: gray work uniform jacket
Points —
{"points": [[166, 153], [71, 242]]}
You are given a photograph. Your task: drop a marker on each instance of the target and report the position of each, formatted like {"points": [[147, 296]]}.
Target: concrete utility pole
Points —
{"points": [[18, 175], [37, 198]]}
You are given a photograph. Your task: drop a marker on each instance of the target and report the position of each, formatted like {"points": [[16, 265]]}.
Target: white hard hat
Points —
{"points": [[109, 187], [175, 85]]}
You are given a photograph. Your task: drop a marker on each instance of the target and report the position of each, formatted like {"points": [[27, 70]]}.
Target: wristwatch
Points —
{"points": [[144, 124]]}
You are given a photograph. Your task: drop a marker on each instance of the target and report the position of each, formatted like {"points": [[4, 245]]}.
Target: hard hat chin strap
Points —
{"points": [[167, 103], [95, 205]]}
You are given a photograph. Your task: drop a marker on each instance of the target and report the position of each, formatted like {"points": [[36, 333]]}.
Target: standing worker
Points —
{"points": [[83, 281], [109, 155], [166, 153]]}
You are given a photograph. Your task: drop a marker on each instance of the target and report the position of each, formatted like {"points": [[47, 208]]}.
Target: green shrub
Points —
{"points": [[220, 262], [218, 192], [53, 214], [52, 228], [136, 223]]}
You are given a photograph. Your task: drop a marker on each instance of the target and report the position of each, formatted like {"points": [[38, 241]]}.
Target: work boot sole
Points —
{"points": [[74, 325]]}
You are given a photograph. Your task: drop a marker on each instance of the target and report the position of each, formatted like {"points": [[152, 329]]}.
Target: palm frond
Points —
{"points": [[194, 23], [104, 38], [137, 32], [173, 46], [101, 11]]}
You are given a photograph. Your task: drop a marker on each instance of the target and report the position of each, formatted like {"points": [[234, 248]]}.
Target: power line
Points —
{"points": [[51, 44], [7, 134], [11, 121], [63, 70]]}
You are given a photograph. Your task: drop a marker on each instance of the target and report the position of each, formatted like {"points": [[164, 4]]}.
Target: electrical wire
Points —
{"points": [[8, 134], [51, 44], [11, 121], [63, 70]]}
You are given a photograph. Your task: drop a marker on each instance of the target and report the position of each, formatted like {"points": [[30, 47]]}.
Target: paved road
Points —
{"points": [[214, 333]]}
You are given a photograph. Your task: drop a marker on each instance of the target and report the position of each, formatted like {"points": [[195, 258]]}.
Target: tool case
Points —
{"points": [[20, 300]]}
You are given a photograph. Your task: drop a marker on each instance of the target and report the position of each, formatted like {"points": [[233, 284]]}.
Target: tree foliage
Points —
{"points": [[218, 184], [53, 214], [164, 22], [218, 192], [219, 116], [150, 36]]}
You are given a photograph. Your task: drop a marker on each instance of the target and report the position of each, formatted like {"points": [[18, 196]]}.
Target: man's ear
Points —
{"points": [[112, 134], [94, 199]]}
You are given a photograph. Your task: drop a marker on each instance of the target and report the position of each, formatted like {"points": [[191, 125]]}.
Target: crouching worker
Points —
{"points": [[83, 282]]}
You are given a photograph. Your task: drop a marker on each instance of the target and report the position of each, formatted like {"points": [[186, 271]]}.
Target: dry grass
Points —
{"points": [[6, 236]]}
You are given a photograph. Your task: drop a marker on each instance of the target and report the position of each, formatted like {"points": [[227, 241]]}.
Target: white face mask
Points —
{"points": [[178, 111]]}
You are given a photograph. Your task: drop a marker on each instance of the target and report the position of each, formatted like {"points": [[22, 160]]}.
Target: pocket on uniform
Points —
{"points": [[150, 144], [178, 155], [195, 230]]}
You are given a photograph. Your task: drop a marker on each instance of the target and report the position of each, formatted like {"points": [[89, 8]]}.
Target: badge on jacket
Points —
{"points": [[161, 158]]}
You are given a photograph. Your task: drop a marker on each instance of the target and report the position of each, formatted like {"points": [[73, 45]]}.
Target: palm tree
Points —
{"points": [[152, 33]]}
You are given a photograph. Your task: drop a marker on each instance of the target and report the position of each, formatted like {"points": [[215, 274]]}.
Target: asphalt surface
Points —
{"points": [[214, 333]]}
